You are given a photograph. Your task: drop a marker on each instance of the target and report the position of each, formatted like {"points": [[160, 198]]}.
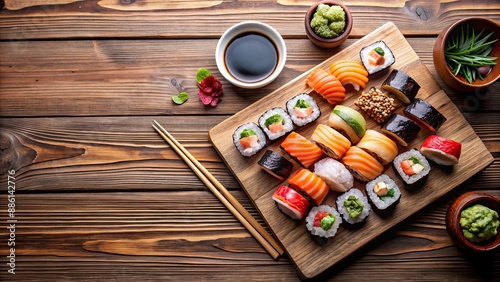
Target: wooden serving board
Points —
{"points": [[310, 257]]}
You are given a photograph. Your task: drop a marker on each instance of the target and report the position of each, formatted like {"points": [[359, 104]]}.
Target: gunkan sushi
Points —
{"points": [[276, 123], [300, 149], [335, 174], [249, 139], [425, 115], [401, 129], [276, 165], [290, 202], [412, 167], [323, 221], [376, 57], [303, 109], [402, 85], [383, 193], [353, 206]]}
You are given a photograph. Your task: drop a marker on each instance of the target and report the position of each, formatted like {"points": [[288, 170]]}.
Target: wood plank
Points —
{"points": [[102, 236], [37, 19], [120, 77], [310, 257]]}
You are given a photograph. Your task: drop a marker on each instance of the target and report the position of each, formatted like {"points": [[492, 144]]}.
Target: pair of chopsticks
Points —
{"points": [[250, 223]]}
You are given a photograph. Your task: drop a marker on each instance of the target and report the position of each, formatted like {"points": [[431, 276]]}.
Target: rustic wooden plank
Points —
{"points": [[119, 77], [191, 235], [37, 19]]}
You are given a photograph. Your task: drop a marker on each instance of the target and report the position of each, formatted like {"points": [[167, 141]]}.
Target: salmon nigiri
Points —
{"points": [[310, 183], [362, 165], [330, 141], [301, 149], [350, 72], [327, 85], [379, 146]]}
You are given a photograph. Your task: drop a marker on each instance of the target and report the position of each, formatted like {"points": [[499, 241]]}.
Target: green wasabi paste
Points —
{"points": [[479, 223], [327, 222], [328, 21], [302, 104], [247, 132], [274, 119], [354, 206]]}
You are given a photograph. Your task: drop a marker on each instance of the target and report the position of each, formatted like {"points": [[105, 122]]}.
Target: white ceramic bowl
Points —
{"points": [[241, 29]]}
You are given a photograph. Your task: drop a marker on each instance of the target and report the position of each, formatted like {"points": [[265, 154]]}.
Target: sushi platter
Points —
{"points": [[312, 256]]}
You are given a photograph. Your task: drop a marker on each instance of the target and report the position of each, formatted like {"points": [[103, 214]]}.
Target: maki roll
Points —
{"points": [[290, 202], [276, 165], [249, 139], [310, 184], [425, 115], [379, 146], [401, 85], [441, 150], [323, 221], [401, 129], [412, 167], [275, 123], [335, 174], [302, 150], [376, 57], [330, 141], [383, 193], [353, 206], [350, 72], [303, 109], [348, 121], [362, 165]]}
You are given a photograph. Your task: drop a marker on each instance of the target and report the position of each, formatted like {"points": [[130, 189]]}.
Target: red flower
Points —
{"points": [[210, 90]]}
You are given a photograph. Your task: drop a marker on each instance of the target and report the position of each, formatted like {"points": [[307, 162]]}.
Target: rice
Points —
{"points": [[344, 211], [247, 152], [364, 55], [317, 230], [298, 120], [384, 202], [287, 127], [335, 174]]}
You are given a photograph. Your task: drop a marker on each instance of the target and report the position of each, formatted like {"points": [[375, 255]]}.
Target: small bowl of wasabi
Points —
{"points": [[328, 24], [472, 221]]}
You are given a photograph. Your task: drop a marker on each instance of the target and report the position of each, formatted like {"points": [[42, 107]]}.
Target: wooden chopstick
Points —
{"points": [[250, 223]]}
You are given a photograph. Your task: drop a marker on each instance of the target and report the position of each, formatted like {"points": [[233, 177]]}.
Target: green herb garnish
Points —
{"points": [[327, 222], [302, 104], [246, 133], [379, 51], [466, 51], [274, 119], [414, 160], [202, 74], [180, 98]]}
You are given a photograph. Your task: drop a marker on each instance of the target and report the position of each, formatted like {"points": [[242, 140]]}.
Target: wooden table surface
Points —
{"points": [[100, 196]]}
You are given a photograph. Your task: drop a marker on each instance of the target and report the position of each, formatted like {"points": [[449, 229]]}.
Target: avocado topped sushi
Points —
{"points": [[249, 139], [275, 123]]}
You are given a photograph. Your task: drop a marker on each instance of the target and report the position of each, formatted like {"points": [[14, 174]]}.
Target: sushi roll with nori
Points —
{"points": [[425, 115], [401, 85], [249, 139], [353, 206], [303, 109], [376, 57], [323, 221], [412, 167], [335, 174], [276, 165], [383, 193], [276, 123], [401, 129], [290, 202]]}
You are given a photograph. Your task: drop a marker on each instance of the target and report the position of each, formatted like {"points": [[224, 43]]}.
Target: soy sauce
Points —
{"points": [[251, 57]]}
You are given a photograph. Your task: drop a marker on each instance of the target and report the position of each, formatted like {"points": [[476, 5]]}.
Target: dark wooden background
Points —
{"points": [[100, 196]]}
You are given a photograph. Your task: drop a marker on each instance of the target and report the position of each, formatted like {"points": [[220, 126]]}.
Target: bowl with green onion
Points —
{"points": [[466, 54]]}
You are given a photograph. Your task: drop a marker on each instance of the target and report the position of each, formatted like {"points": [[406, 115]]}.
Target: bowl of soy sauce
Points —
{"points": [[250, 54]]}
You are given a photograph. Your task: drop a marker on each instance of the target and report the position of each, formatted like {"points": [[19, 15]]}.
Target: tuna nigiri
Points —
{"points": [[441, 150], [379, 146], [350, 72], [290, 202], [362, 165], [310, 183], [327, 85], [301, 149], [330, 141]]}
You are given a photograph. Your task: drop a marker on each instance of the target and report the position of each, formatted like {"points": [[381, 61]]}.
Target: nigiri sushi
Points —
{"points": [[290, 202], [249, 139], [441, 150], [275, 123], [330, 141], [401, 129], [363, 166], [379, 146], [303, 109], [348, 121], [309, 183], [302, 150], [327, 85], [350, 72], [335, 174]]}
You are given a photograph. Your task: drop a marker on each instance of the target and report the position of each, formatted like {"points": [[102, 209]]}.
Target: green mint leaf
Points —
{"points": [[201, 74], [180, 98]]}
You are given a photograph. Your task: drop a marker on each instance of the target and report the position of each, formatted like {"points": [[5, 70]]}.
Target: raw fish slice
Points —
{"points": [[441, 150], [290, 202], [350, 72], [362, 165], [327, 85], [330, 141], [310, 184], [379, 146], [301, 149]]}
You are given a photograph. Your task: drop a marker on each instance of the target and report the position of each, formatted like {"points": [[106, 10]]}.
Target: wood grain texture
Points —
{"points": [[310, 257]]}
